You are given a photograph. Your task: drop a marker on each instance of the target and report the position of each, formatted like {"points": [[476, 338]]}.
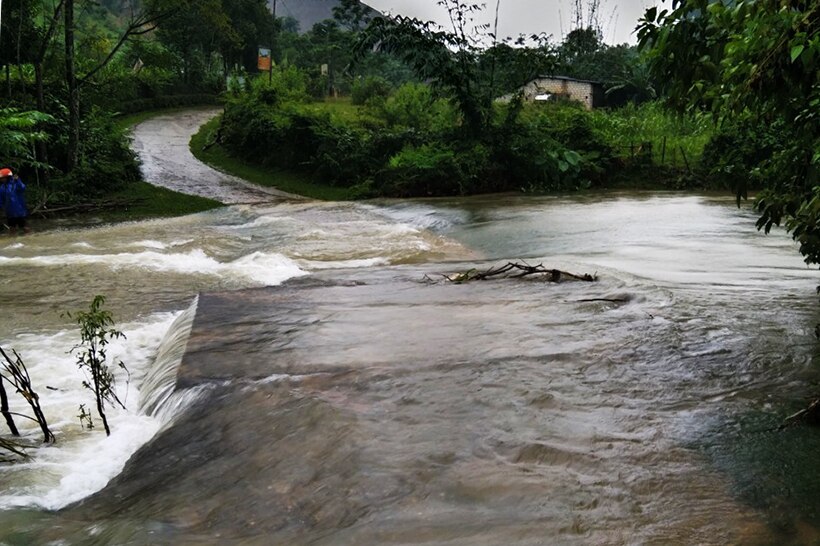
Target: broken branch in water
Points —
{"points": [[808, 416], [16, 374], [13, 448], [514, 270]]}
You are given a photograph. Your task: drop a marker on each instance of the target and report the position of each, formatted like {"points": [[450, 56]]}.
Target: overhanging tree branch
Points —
{"points": [[137, 27]]}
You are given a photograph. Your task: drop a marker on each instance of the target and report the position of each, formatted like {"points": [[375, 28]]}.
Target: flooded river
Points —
{"points": [[294, 380]]}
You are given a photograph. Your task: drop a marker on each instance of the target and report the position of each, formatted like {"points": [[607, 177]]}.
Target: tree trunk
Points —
{"points": [[73, 90], [41, 147]]}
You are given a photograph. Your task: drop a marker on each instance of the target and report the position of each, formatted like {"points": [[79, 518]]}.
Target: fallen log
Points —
{"points": [[513, 270], [93, 206], [807, 416]]}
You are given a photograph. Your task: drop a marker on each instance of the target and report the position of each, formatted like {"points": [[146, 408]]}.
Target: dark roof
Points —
{"points": [[566, 78]]}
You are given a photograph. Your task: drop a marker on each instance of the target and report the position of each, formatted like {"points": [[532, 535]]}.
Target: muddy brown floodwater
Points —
{"points": [[318, 392]]}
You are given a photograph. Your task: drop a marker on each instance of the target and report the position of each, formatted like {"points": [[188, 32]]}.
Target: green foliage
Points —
{"points": [[671, 136], [18, 133], [371, 88], [507, 67], [733, 157], [107, 163], [96, 333], [447, 59], [414, 107], [204, 148], [757, 58], [433, 169], [198, 29]]}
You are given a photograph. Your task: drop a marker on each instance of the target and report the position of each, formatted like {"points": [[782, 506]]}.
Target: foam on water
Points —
{"points": [[82, 462], [260, 267], [421, 216], [149, 244]]}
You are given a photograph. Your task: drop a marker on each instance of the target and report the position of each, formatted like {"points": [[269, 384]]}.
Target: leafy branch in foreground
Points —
{"points": [[96, 332]]}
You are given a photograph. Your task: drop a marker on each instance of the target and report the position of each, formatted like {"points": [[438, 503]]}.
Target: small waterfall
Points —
{"points": [[161, 379]]}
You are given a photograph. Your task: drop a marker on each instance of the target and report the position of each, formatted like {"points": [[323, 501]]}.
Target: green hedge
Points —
{"points": [[169, 101], [413, 143]]}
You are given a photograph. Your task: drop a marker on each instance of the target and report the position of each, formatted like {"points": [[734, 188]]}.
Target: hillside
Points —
{"points": [[306, 12]]}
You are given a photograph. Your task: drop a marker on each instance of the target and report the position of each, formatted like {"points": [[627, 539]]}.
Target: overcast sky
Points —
{"points": [[618, 17]]}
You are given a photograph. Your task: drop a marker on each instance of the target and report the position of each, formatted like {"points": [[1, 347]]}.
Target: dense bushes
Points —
{"points": [[369, 88], [168, 101], [737, 151], [414, 143], [107, 163]]}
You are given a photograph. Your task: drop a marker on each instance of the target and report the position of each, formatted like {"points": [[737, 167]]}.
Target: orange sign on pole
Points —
{"points": [[264, 61]]}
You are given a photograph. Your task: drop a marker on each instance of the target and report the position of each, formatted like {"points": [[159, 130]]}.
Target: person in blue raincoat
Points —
{"points": [[13, 199]]}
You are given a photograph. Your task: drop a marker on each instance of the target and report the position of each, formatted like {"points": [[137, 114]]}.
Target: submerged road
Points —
{"points": [[162, 144]]}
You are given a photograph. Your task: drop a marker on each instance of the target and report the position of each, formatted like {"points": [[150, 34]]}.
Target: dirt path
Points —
{"points": [[167, 161]]}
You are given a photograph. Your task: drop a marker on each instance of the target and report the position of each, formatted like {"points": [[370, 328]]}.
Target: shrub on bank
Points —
{"points": [[413, 143], [371, 88]]}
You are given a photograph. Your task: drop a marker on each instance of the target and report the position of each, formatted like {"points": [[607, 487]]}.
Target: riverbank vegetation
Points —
{"points": [[435, 127], [361, 106], [70, 70], [755, 67], [411, 142]]}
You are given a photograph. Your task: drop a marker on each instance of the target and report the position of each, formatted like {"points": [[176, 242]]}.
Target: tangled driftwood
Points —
{"points": [[513, 270]]}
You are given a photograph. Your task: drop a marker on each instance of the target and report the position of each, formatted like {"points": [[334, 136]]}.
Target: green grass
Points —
{"points": [[288, 181], [151, 201], [676, 140]]}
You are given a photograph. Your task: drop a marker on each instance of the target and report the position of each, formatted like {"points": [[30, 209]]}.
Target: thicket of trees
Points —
{"points": [[755, 66], [69, 66]]}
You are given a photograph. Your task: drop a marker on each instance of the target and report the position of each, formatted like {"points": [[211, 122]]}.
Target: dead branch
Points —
{"points": [[4, 409], [514, 270], [807, 416], [138, 26], [11, 447], [76, 208], [17, 375]]}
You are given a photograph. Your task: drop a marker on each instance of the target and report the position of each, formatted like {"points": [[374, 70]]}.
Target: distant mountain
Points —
{"points": [[308, 12]]}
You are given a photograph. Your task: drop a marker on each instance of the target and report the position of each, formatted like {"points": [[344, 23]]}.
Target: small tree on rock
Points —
{"points": [[96, 332]]}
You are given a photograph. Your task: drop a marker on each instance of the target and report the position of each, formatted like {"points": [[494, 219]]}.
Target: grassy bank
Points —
{"points": [[149, 201], [291, 182], [141, 200]]}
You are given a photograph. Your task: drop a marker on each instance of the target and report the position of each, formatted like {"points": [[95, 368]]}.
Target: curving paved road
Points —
{"points": [[167, 161]]}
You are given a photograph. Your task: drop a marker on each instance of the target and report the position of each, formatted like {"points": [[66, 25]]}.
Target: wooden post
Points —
{"points": [[685, 159], [663, 151]]}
